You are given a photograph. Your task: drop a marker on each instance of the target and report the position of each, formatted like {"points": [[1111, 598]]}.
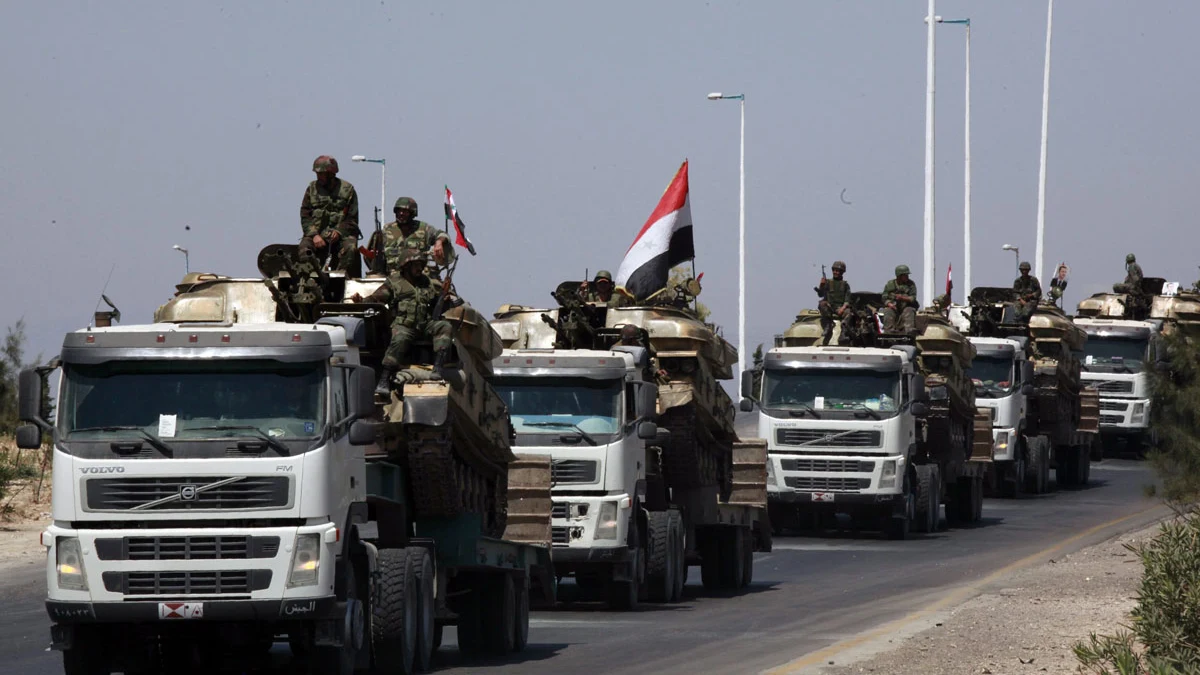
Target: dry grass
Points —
{"points": [[26, 493]]}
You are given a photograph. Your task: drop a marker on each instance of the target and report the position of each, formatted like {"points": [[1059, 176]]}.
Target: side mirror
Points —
{"points": [[647, 431], [746, 405], [920, 409], [647, 400], [29, 437], [917, 387], [1162, 366], [362, 393], [362, 432], [1027, 389], [748, 385], [29, 395]]}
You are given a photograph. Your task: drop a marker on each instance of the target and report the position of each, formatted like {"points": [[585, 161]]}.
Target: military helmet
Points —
{"points": [[1130, 258], [1024, 266], [839, 266], [902, 269], [406, 203], [325, 163], [603, 274], [413, 255]]}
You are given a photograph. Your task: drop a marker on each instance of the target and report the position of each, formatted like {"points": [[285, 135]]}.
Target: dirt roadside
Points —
{"points": [[1028, 624], [25, 513]]}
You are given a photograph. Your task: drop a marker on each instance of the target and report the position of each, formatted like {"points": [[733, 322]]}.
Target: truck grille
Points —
{"points": [[1111, 419], [822, 484], [829, 438], [560, 510], [559, 535], [225, 547], [851, 465], [1108, 404], [573, 471], [188, 493], [1116, 386], [217, 582]]}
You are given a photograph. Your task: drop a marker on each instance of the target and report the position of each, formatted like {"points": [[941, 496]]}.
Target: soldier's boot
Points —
{"points": [[383, 386], [826, 331]]}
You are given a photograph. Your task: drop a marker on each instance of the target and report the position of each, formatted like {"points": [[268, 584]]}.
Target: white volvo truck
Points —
{"points": [[1003, 378], [1114, 361]]}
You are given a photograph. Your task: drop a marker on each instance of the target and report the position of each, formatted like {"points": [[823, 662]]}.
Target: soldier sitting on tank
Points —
{"points": [[406, 232], [601, 291], [412, 296], [1133, 276], [1028, 291], [329, 219], [835, 299], [900, 303]]}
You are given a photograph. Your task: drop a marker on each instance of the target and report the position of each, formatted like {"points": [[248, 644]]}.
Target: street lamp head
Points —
{"points": [[1009, 247], [179, 248], [358, 158], [715, 96]]}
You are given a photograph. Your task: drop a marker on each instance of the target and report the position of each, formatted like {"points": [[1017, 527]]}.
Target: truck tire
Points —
{"points": [[710, 558], [88, 654], [1037, 468], [500, 614], [732, 560], [469, 608], [660, 558], [422, 566], [395, 612], [681, 564], [623, 594], [928, 498], [341, 660], [1066, 474], [1085, 465], [521, 620], [747, 557]]}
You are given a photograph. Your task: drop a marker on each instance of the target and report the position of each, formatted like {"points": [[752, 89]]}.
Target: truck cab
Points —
{"points": [[1003, 377], [1115, 360]]}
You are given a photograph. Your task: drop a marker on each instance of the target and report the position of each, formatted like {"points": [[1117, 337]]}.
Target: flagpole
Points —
{"points": [[928, 272], [1041, 216]]}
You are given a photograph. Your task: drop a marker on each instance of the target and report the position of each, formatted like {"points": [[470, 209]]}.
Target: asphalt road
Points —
{"points": [[810, 593]]}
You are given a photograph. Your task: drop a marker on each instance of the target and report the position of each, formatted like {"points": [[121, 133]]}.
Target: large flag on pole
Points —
{"points": [[663, 242], [460, 229]]}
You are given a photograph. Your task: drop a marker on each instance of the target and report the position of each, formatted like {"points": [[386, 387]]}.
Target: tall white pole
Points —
{"points": [[742, 246], [1041, 217], [967, 177], [383, 194], [929, 87]]}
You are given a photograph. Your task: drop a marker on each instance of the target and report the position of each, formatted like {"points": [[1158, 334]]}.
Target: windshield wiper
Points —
{"points": [[271, 442], [867, 410], [987, 393], [563, 425], [807, 409], [158, 443]]}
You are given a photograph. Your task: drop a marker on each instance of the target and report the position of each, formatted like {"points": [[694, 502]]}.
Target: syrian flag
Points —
{"points": [[460, 228], [663, 242], [949, 282]]}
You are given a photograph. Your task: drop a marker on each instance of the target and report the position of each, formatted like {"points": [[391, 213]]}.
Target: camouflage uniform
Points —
{"points": [[1029, 292], [837, 299], [412, 297], [1133, 277], [415, 235], [904, 295], [328, 209], [593, 295]]}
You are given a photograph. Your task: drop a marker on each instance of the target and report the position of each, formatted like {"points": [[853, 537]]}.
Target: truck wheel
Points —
{"points": [[341, 660], [747, 558], [928, 498], [976, 499], [395, 612], [469, 608], [660, 558], [1037, 469], [521, 620], [1085, 465], [88, 654], [422, 566], [681, 565], [623, 595], [959, 504], [1066, 474], [499, 614], [731, 557]]}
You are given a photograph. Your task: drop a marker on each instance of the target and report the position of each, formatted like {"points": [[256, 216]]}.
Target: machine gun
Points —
{"points": [[860, 325], [578, 320], [994, 312], [822, 289]]}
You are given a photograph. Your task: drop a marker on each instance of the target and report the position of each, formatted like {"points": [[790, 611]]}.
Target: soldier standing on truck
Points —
{"points": [[900, 303], [329, 219], [1029, 292], [406, 232], [1133, 276], [835, 299], [412, 295]]}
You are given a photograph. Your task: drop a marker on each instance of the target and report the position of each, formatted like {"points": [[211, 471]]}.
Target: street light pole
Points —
{"points": [[383, 181], [741, 99], [1041, 218], [966, 161], [187, 268], [927, 280]]}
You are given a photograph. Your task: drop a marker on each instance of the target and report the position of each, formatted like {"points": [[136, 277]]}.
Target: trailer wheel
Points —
{"points": [[395, 612], [681, 564], [499, 614], [660, 559], [88, 654], [710, 558], [341, 660], [747, 557], [1037, 469], [732, 560], [1085, 465], [928, 500], [521, 620], [422, 566], [469, 608], [1066, 474]]}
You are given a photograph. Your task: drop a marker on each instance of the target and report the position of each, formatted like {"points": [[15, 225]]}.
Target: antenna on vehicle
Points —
{"points": [[105, 319]]}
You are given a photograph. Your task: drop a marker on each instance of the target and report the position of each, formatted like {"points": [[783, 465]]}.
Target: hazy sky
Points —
{"points": [[559, 124]]}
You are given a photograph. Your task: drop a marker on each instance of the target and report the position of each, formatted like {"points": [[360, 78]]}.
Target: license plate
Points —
{"points": [[822, 496], [181, 610]]}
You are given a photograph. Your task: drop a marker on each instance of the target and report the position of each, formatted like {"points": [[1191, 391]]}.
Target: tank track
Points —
{"points": [[444, 484], [692, 456]]}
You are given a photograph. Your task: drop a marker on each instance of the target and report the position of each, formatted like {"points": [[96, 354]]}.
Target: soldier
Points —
{"points": [[835, 299], [329, 218], [900, 303], [631, 336], [601, 290], [1133, 276], [412, 295], [406, 232], [1029, 292]]}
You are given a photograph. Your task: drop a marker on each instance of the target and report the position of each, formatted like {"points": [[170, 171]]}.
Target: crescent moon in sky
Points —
{"points": [[843, 196]]}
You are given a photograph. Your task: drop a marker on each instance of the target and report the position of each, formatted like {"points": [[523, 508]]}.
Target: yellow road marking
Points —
{"points": [[953, 598]]}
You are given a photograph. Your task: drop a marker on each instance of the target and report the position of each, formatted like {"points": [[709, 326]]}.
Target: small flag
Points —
{"points": [[663, 242], [949, 282], [460, 228]]}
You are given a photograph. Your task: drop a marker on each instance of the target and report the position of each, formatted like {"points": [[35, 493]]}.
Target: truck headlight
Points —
{"points": [[306, 561], [770, 471], [887, 474], [1002, 440], [69, 558], [606, 523], [1139, 412]]}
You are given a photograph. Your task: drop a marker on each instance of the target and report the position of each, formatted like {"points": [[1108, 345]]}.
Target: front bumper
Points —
{"points": [[1124, 415], [214, 610], [840, 501], [842, 479]]}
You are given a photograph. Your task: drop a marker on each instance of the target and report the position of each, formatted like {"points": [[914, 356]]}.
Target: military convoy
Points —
{"points": [[878, 427], [649, 476]]}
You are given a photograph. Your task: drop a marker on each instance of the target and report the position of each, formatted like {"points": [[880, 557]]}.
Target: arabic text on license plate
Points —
{"points": [[181, 610], [822, 496]]}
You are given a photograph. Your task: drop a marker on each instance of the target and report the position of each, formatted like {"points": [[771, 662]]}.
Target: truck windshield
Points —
{"points": [[992, 375], [192, 400], [831, 389], [555, 405], [1114, 353]]}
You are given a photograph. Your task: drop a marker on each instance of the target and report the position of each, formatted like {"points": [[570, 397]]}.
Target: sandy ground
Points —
{"points": [[1028, 624], [24, 513]]}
